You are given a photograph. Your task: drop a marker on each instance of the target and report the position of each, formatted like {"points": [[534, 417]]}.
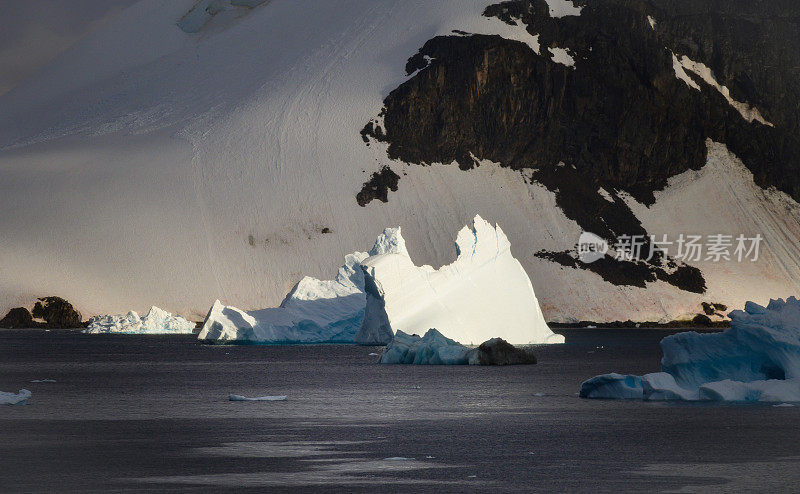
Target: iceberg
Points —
{"points": [[485, 293], [756, 360], [315, 311], [14, 398], [432, 349], [436, 349], [156, 321]]}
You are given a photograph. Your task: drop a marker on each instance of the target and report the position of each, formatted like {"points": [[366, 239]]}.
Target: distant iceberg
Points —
{"points": [[484, 294], [14, 398], [756, 360], [315, 311], [156, 321]]}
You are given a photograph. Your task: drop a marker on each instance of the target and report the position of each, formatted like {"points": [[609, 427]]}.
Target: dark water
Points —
{"points": [[131, 413]]}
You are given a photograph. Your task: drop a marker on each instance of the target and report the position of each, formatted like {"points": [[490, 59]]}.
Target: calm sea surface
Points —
{"points": [[138, 413]]}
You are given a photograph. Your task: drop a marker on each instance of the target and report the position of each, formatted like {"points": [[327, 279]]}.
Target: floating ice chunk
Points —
{"points": [[260, 398], [756, 360], [14, 398], [436, 349], [315, 311], [485, 293], [156, 321], [432, 349], [651, 21]]}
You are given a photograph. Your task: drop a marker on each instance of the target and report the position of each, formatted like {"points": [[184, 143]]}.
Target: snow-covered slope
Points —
{"points": [[150, 164]]}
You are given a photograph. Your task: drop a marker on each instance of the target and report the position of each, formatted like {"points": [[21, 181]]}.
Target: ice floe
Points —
{"points": [[258, 398], [14, 398], [756, 360], [156, 321]]}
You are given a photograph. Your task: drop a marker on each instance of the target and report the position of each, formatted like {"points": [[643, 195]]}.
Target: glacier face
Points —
{"points": [[156, 321], [484, 294], [757, 359], [315, 311]]}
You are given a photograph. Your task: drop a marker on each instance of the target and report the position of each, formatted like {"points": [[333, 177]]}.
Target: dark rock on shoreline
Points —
{"points": [[498, 351], [17, 318], [57, 313]]}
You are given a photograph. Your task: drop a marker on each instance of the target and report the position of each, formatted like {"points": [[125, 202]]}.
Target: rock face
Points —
{"points": [[17, 318], [57, 313], [652, 80], [500, 352]]}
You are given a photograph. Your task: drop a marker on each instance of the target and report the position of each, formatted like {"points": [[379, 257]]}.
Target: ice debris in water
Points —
{"points": [[756, 360], [14, 398]]}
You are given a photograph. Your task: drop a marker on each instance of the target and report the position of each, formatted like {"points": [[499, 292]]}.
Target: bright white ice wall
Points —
{"points": [[484, 294]]}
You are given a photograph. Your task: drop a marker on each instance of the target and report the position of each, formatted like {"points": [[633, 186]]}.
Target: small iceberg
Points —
{"points": [[756, 360], [259, 398], [15, 398], [156, 321], [436, 349]]}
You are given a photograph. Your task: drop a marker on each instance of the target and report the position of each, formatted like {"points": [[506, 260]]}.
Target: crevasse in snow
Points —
{"points": [[484, 294], [156, 321], [757, 359]]}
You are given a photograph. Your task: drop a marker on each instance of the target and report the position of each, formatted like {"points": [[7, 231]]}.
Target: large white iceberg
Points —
{"points": [[315, 311], [484, 294], [757, 359], [14, 398], [156, 321]]}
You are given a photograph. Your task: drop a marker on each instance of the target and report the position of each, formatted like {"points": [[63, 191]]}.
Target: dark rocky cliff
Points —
{"points": [[619, 119]]}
